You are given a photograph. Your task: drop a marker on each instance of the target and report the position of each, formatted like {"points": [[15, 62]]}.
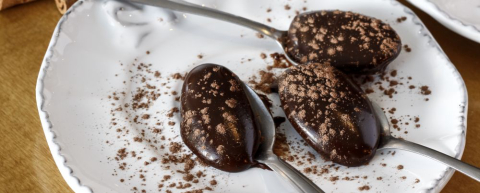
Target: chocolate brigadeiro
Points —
{"points": [[218, 124], [330, 112], [351, 42]]}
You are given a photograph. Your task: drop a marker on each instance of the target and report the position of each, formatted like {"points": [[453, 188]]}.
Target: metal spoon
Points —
{"points": [[387, 141], [177, 5], [265, 152]]}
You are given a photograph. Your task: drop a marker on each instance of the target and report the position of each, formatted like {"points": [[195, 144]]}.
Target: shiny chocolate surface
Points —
{"points": [[351, 42], [218, 124], [330, 112]]}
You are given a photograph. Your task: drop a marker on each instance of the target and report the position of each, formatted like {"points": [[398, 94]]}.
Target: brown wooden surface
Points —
{"points": [[26, 164]]}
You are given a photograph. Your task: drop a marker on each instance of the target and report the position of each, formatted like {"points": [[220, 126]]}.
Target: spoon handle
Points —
{"points": [[456, 164], [187, 7], [289, 173]]}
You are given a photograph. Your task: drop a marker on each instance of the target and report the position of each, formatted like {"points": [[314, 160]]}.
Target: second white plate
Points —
{"points": [[461, 16]]}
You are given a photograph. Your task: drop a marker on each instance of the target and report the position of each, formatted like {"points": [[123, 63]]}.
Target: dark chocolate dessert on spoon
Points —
{"points": [[218, 124], [351, 42], [330, 112]]}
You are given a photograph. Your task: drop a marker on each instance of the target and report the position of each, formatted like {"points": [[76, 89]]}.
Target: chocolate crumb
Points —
{"points": [[368, 91], [263, 55], [259, 35], [394, 121], [213, 182], [307, 170], [266, 80], [172, 111], [365, 187], [401, 19], [175, 147], [393, 73], [122, 153], [333, 178], [178, 76], [425, 90], [407, 49], [389, 92], [393, 83], [188, 177]]}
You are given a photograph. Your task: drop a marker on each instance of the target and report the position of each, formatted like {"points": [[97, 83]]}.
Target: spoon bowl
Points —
{"points": [[382, 121], [265, 154]]}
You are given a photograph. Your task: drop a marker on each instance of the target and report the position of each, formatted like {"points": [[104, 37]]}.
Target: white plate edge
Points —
{"points": [[60, 161], [75, 183], [461, 147]]}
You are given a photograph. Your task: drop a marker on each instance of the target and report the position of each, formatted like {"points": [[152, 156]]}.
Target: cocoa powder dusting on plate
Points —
{"points": [[134, 121]]}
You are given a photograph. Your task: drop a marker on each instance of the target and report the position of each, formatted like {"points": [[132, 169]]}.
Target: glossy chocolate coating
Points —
{"points": [[218, 124], [351, 42], [330, 112]]}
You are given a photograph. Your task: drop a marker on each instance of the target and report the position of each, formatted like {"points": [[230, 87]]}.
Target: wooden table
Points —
{"points": [[26, 164]]}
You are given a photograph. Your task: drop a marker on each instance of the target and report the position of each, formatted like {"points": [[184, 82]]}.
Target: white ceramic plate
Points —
{"points": [[461, 16], [82, 67]]}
